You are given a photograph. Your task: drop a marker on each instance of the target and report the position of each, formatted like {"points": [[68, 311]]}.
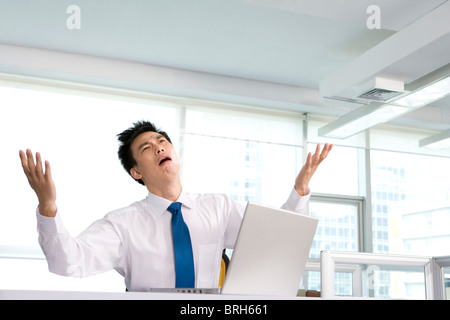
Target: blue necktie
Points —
{"points": [[182, 247]]}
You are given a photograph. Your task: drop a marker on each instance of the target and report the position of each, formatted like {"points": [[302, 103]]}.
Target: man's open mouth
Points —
{"points": [[163, 160]]}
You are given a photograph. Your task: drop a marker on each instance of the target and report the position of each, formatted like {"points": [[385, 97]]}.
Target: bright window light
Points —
{"points": [[361, 119], [426, 95], [438, 141]]}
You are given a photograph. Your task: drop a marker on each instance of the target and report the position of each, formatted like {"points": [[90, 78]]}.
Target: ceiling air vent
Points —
{"points": [[376, 89], [381, 89], [378, 94]]}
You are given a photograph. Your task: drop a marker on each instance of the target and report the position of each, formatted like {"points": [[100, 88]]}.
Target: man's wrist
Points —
{"points": [[48, 209], [301, 190]]}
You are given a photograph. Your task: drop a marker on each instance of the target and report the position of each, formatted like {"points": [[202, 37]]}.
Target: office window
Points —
{"points": [[249, 156], [398, 284], [410, 203], [33, 274], [446, 272], [77, 134], [337, 228], [338, 174]]}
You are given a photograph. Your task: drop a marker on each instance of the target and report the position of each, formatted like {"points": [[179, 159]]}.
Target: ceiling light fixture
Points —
{"points": [[426, 95], [361, 119], [438, 141], [424, 91]]}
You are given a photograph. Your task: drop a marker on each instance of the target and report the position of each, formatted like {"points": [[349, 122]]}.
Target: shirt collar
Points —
{"points": [[159, 205]]}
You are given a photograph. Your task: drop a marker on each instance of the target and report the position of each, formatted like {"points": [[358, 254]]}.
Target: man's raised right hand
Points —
{"points": [[40, 181]]}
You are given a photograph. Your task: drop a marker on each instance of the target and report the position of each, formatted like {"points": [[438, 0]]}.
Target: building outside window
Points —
{"points": [[410, 210]]}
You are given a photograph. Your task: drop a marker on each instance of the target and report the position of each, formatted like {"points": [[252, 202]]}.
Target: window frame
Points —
{"points": [[357, 201]]}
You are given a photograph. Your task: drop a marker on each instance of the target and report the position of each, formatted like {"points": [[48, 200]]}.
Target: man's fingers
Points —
{"points": [[34, 172], [39, 170], [30, 161], [322, 155], [23, 159], [25, 168], [31, 166], [326, 149], [38, 161], [316, 154], [309, 162], [48, 172]]}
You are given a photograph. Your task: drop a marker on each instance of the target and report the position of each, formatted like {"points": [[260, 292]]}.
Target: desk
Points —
{"points": [[82, 295]]}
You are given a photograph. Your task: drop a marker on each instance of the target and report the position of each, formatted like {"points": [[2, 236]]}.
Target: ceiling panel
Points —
{"points": [[297, 43]]}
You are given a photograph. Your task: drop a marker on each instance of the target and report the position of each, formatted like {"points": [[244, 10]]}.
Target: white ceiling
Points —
{"points": [[287, 43]]}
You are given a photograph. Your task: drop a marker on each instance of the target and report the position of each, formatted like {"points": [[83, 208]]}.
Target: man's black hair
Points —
{"points": [[127, 137]]}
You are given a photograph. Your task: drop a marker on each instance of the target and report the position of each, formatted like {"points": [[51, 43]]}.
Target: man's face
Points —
{"points": [[157, 161]]}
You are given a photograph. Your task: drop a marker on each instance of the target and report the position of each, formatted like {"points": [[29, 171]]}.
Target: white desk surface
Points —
{"points": [[82, 295]]}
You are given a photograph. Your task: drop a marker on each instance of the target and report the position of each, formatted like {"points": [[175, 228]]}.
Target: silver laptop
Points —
{"points": [[270, 254]]}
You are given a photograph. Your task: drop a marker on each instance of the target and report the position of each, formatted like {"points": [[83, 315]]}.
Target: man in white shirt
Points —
{"points": [[136, 240]]}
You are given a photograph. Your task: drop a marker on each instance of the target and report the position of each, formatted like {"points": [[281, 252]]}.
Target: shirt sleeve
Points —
{"points": [[297, 203], [235, 214], [96, 250]]}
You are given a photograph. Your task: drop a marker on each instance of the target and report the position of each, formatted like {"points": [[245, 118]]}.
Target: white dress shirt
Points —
{"points": [[136, 240]]}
